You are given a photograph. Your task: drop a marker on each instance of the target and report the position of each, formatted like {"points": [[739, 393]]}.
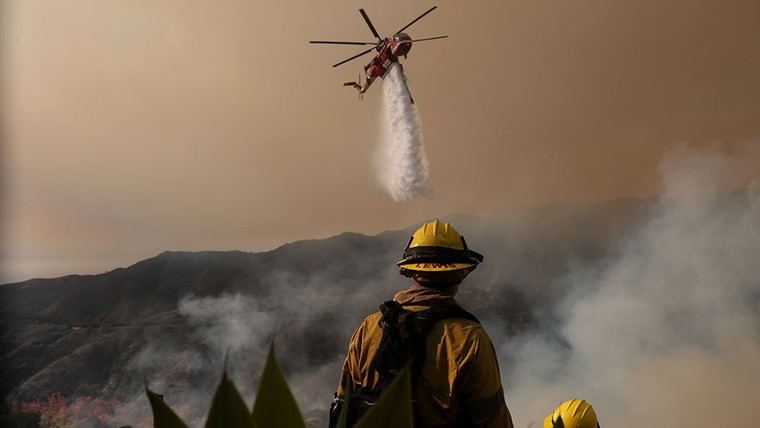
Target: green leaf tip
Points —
{"points": [[343, 416], [275, 405], [228, 409], [394, 407], [163, 415]]}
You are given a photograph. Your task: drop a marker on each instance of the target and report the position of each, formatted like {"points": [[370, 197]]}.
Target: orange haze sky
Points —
{"points": [[133, 127]]}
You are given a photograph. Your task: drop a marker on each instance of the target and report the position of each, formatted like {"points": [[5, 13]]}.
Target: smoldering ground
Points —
{"points": [[309, 319], [647, 309]]}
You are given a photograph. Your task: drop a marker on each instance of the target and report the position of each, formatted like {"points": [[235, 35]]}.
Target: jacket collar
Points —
{"points": [[425, 296]]}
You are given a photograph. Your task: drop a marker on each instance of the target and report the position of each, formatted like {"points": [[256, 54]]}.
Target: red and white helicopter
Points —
{"points": [[388, 49]]}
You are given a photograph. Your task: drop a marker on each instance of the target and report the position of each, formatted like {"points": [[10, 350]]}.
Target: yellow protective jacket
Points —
{"points": [[459, 383]]}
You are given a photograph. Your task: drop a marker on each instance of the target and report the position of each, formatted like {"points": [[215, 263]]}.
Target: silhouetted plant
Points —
{"points": [[276, 407]]}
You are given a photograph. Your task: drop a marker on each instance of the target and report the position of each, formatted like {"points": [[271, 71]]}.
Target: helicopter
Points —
{"points": [[389, 50]]}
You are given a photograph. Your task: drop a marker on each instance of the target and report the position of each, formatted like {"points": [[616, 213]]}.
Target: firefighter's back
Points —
{"points": [[455, 375], [458, 382]]}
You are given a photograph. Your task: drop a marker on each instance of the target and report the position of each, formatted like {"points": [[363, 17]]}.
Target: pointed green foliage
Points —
{"points": [[275, 405], [163, 415], [228, 410], [343, 416], [394, 408]]}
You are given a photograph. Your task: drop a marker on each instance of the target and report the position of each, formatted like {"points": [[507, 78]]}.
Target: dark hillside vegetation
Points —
{"points": [[89, 335]]}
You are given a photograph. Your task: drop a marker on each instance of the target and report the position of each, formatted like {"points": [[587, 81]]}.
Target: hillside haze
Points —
{"points": [[170, 318]]}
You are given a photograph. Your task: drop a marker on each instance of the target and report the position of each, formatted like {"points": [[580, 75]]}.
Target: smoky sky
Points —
{"points": [[646, 308], [134, 127]]}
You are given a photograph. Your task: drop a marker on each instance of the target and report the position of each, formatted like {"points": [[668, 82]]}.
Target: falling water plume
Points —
{"points": [[401, 163]]}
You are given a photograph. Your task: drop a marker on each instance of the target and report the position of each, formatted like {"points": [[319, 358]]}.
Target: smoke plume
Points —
{"points": [[665, 331], [231, 329], [401, 163], [648, 323], [309, 318], [649, 309]]}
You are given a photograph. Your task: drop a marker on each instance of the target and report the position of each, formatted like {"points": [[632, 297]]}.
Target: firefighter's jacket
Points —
{"points": [[459, 383]]}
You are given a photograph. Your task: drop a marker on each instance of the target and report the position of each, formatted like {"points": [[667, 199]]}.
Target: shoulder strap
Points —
{"points": [[404, 334], [427, 318], [393, 350]]}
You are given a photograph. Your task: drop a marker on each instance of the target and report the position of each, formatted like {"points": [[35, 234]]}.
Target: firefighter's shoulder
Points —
{"points": [[368, 333], [464, 331]]}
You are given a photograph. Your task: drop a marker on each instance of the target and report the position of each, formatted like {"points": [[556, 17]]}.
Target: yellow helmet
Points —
{"points": [[437, 247], [575, 413]]}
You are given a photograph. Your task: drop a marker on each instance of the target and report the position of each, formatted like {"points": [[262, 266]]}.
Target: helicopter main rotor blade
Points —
{"points": [[369, 23], [334, 42], [354, 57], [429, 38], [417, 19]]}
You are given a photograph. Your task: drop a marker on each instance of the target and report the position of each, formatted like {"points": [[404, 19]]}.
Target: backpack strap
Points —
{"points": [[429, 317], [393, 350], [404, 334]]}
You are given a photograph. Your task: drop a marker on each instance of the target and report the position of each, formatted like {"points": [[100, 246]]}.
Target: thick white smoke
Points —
{"points": [[666, 333], [661, 331], [401, 163], [228, 327]]}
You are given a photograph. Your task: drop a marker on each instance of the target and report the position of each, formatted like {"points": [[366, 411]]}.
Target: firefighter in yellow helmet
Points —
{"points": [[575, 413], [455, 372]]}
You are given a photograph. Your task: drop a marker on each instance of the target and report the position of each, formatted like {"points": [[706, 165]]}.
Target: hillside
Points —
{"points": [[171, 318]]}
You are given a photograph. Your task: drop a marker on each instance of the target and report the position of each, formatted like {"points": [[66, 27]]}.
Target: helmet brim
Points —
{"points": [[434, 267]]}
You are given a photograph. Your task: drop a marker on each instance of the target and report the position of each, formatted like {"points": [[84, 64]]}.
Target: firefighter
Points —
{"points": [[575, 413], [455, 372]]}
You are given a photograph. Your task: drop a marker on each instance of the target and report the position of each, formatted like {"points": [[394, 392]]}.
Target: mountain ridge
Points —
{"points": [[85, 335]]}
